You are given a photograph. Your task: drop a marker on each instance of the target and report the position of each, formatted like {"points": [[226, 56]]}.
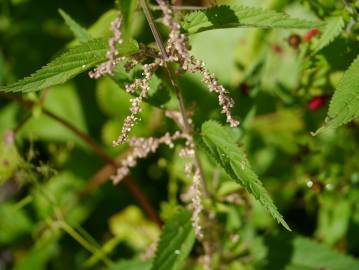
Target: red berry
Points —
{"points": [[294, 41], [309, 35], [317, 102]]}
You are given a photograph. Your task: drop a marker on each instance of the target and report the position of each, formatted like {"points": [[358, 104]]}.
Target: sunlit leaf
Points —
{"points": [[288, 252], [333, 28], [73, 62], [176, 242], [232, 16], [220, 145], [344, 105]]}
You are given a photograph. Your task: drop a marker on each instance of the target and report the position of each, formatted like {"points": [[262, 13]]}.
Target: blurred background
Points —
{"points": [[57, 209]]}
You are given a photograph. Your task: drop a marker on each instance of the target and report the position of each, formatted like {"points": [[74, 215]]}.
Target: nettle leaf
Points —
{"points": [[332, 30], [79, 32], [219, 143], [69, 64], [176, 242], [158, 95], [296, 252], [344, 105], [231, 16]]}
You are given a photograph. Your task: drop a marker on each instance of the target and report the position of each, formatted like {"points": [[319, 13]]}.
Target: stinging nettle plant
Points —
{"points": [[169, 59], [175, 58]]}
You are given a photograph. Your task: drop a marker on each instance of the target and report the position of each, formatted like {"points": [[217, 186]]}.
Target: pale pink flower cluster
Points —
{"points": [[149, 252], [112, 54], [188, 152], [197, 204], [141, 148], [135, 109], [177, 49]]}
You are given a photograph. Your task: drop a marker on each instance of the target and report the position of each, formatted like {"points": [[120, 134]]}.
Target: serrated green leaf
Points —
{"points": [[176, 242], [79, 32], [333, 28], [300, 253], [344, 105], [219, 144], [231, 16], [69, 64]]}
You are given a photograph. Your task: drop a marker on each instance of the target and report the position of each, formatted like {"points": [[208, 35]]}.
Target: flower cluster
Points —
{"points": [[178, 52], [192, 169], [197, 204], [177, 49], [144, 85], [141, 148], [112, 54]]}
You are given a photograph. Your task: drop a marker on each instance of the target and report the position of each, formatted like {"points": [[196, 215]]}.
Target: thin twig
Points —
{"points": [[22, 123], [175, 85], [131, 185], [101, 176], [83, 242]]}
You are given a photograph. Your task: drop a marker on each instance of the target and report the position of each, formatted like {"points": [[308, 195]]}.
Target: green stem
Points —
{"points": [[175, 85], [25, 201], [83, 242]]}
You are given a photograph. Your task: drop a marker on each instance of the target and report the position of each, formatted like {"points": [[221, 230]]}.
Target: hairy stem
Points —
{"points": [[175, 85], [130, 185]]}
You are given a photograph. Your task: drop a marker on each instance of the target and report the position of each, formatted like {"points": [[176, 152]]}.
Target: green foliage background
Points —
{"points": [[55, 213]]}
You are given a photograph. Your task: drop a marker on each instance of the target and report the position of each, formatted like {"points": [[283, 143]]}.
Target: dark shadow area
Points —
{"points": [[280, 251], [221, 15]]}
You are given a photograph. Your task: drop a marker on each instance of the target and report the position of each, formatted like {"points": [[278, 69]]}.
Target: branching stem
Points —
{"points": [[134, 189], [175, 85]]}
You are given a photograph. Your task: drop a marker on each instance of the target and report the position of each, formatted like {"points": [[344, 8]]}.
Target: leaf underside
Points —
{"points": [[344, 105], [176, 242], [231, 16], [219, 144], [71, 63]]}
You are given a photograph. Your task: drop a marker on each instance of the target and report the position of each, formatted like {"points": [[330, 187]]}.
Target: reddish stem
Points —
{"points": [[134, 189]]}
